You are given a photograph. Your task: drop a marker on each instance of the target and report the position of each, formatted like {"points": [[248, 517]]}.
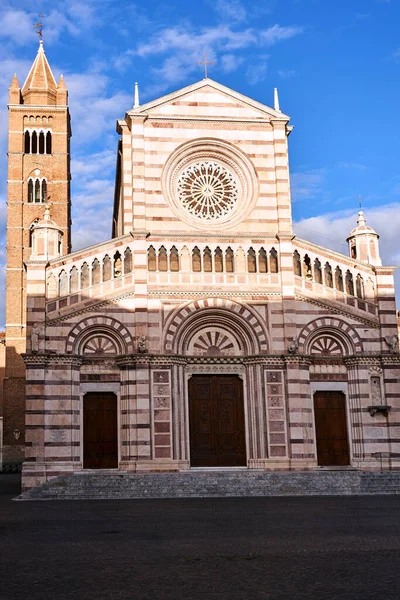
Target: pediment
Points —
{"points": [[208, 99]]}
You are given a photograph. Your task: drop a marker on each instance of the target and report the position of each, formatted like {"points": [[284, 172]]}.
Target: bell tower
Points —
{"points": [[38, 173]]}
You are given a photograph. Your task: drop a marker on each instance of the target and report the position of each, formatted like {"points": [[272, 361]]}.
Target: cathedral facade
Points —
{"points": [[204, 334]]}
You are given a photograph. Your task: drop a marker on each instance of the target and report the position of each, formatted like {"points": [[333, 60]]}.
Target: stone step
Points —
{"points": [[214, 484]]}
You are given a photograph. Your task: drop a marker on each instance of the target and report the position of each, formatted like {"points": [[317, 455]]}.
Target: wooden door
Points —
{"points": [[100, 431], [331, 429], [216, 419]]}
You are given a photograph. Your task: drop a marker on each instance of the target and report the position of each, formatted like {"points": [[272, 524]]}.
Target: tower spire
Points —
{"points": [[40, 86]]}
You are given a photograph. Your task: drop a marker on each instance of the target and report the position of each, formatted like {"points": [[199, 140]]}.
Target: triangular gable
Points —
{"points": [[207, 98]]}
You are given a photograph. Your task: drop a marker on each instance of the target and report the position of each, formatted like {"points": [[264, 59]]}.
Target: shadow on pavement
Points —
{"points": [[10, 484]]}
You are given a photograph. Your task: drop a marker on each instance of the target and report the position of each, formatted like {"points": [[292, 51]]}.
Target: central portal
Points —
{"points": [[100, 432], [216, 418]]}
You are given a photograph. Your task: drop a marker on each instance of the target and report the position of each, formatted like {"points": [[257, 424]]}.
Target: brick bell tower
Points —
{"points": [[38, 173]]}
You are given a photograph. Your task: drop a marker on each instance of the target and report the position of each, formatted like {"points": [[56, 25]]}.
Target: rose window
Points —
{"points": [[207, 190]]}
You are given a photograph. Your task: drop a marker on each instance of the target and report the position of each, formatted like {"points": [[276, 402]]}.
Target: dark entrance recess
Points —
{"points": [[331, 429], [100, 431], [216, 419]]}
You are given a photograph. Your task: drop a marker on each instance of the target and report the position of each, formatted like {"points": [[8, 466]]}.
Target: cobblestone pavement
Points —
{"points": [[267, 548]]}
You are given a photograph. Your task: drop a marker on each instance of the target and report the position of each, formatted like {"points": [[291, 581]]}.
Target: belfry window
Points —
{"points": [[37, 142], [37, 190]]}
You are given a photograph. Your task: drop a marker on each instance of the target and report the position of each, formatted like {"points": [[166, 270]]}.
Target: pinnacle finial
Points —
{"points": [[14, 83], [276, 100], [47, 214], [136, 96], [361, 219], [61, 83]]}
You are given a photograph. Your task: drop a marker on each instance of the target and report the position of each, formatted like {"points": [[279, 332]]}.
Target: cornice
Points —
{"points": [[89, 309], [293, 359], [212, 294], [386, 269], [47, 359], [197, 235], [209, 119], [41, 108], [372, 360], [268, 360], [337, 311]]}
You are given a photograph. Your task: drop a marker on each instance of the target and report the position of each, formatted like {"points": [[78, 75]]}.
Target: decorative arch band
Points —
{"points": [[187, 320], [329, 327], [78, 336]]}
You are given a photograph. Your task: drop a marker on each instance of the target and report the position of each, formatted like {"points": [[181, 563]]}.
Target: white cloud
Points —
{"points": [[183, 44], [277, 33], [184, 38], [231, 9], [230, 62], [306, 184], [352, 165], [256, 73], [285, 73], [16, 25]]}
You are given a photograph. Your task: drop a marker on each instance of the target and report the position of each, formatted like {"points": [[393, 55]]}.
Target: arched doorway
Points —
{"points": [[331, 429], [100, 431], [216, 421]]}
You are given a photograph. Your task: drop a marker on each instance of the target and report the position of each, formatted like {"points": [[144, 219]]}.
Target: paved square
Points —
{"points": [[269, 548]]}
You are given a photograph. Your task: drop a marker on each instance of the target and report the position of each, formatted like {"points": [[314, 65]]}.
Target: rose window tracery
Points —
{"points": [[207, 190]]}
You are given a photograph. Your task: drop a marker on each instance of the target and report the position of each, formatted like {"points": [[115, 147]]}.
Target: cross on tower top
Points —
{"points": [[205, 63], [39, 26]]}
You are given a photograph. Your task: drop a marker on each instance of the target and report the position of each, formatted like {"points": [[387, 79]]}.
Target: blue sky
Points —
{"points": [[336, 64]]}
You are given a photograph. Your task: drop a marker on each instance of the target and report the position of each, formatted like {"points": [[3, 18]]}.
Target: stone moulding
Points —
{"points": [[47, 359], [231, 294], [278, 360], [333, 310]]}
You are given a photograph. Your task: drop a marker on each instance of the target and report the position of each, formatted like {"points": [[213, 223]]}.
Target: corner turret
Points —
{"points": [[14, 93], [46, 238], [363, 242]]}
